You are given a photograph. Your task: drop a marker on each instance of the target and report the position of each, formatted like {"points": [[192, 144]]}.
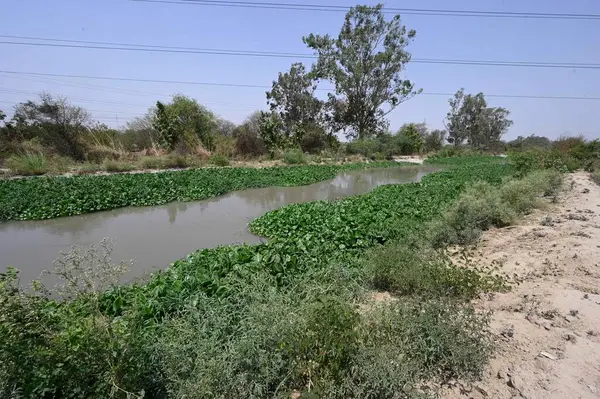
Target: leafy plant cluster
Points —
{"points": [[566, 155], [300, 235], [268, 320], [50, 197]]}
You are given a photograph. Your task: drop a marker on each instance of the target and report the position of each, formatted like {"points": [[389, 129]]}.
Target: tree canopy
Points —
{"points": [[472, 120], [365, 64]]}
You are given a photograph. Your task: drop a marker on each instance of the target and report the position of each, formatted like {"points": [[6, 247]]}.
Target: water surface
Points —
{"points": [[156, 236]]}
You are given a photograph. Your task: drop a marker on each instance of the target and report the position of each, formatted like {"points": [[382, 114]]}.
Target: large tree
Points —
{"points": [[292, 98], [472, 120], [365, 63]]}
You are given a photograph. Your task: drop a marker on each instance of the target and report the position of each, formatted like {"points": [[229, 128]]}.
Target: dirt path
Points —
{"points": [[548, 327]]}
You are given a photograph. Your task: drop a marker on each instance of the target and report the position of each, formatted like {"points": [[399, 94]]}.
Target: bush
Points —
{"points": [[67, 347], [483, 206], [225, 146], [152, 162], [363, 147], [219, 160], [596, 176], [28, 164], [294, 157], [409, 271], [479, 208], [117, 166], [248, 141], [451, 151], [176, 161], [313, 140]]}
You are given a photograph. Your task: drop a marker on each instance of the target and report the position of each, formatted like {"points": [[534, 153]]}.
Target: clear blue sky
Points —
{"points": [[281, 31]]}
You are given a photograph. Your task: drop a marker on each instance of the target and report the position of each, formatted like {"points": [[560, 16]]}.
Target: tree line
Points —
{"points": [[364, 64]]}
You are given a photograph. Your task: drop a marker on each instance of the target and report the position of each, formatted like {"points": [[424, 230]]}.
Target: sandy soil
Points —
{"points": [[548, 326], [409, 159]]}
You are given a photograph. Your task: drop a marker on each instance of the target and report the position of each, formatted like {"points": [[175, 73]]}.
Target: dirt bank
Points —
{"points": [[548, 326]]}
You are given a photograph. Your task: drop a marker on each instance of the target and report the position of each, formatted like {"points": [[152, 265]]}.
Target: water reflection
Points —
{"points": [[156, 236]]}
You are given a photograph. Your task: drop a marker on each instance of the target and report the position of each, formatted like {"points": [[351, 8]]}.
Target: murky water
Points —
{"points": [[156, 236]]}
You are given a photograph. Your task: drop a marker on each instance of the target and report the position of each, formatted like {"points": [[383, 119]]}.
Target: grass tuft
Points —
{"points": [[111, 165], [28, 164]]}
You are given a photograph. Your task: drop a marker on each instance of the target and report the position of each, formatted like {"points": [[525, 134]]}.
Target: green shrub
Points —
{"points": [[225, 146], [176, 161], [219, 160], [483, 206], [479, 208], [294, 157], [452, 151], [596, 176], [117, 166], [28, 164], [408, 271], [67, 347]]}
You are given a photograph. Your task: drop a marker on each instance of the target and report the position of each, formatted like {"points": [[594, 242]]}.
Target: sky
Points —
{"points": [[475, 38]]}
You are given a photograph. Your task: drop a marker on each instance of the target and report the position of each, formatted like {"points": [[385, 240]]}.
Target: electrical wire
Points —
{"points": [[387, 10], [190, 50], [219, 84]]}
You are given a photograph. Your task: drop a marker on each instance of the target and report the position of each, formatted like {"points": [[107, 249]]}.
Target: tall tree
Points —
{"points": [[56, 122], [185, 118], [413, 135], [292, 98], [434, 140], [365, 63], [472, 120]]}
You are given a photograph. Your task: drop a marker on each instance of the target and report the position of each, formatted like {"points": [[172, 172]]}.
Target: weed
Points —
{"points": [[28, 164]]}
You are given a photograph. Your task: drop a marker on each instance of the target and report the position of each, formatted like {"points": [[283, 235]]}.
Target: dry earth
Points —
{"points": [[547, 327]]}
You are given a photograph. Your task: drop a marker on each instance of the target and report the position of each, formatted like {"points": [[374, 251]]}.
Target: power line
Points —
{"points": [[387, 10], [191, 50], [115, 78], [90, 110], [216, 104]]}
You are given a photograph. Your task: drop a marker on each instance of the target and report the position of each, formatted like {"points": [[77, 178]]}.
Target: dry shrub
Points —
{"points": [[98, 153], [565, 144], [225, 146], [117, 166], [248, 142]]}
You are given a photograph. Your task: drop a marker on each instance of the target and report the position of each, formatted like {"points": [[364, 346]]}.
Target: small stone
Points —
{"points": [[501, 374], [547, 355], [592, 388], [570, 337], [515, 382], [482, 391]]}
